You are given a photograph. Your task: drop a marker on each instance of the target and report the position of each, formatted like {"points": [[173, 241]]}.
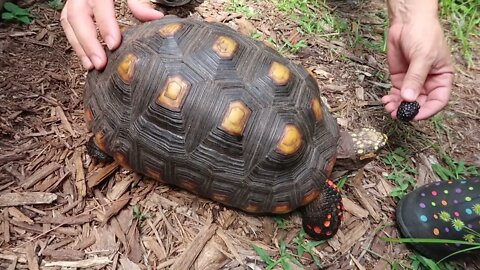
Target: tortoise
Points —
{"points": [[199, 106]]}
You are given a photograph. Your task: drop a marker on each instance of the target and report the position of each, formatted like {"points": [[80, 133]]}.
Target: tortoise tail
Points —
{"points": [[323, 216]]}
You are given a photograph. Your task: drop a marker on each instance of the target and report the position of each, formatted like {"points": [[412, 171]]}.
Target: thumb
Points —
{"points": [[144, 10], [414, 79]]}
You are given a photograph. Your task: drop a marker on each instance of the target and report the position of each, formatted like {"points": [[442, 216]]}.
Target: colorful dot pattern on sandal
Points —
{"points": [[451, 209]]}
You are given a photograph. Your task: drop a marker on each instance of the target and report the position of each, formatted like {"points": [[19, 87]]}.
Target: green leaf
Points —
{"points": [[263, 254], [24, 19], [7, 16], [11, 7]]}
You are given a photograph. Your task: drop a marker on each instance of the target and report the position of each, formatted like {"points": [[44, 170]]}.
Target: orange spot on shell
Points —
{"points": [[282, 208], [251, 208], [190, 185], [100, 141], [88, 117], [317, 109], [219, 197], [311, 195], [126, 68], [225, 47], [329, 166], [122, 160], [290, 141], [326, 223], [236, 118], [173, 93], [154, 174], [170, 29], [279, 73], [317, 229]]}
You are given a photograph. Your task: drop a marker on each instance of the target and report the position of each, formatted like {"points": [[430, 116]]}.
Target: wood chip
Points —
{"points": [[6, 227], [152, 244], [64, 254], [128, 265], [79, 174], [4, 159], [115, 207], [23, 198], [97, 177], [352, 237], [84, 264], [73, 220], [18, 215], [32, 258], [357, 263], [40, 174], [66, 124], [354, 208], [188, 257]]}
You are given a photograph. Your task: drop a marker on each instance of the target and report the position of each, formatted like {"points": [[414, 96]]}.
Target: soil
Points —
{"points": [[64, 210]]}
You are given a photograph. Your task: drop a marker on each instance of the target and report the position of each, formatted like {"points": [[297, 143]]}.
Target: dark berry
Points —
{"points": [[407, 110]]}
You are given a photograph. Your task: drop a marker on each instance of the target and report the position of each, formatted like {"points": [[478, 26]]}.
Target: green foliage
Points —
{"points": [[403, 174], [138, 214], [14, 12], [56, 4], [453, 169], [312, 17], [285, 256], [240, 6], [463, 16]]}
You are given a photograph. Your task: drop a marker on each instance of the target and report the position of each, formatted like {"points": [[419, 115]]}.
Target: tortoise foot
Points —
{"points": [[323, 216], [96, 153]]}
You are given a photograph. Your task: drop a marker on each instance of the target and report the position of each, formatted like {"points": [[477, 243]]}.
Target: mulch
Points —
{"points": [[60, 210]]}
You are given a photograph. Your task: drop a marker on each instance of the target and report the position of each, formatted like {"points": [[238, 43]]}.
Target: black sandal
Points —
{"points": [[442, 210]]}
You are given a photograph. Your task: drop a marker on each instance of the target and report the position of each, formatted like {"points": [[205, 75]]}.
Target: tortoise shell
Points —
{"points": [[202, 107]]}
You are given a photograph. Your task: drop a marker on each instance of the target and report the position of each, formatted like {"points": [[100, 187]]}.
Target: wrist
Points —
{"points": [[405, 11]]}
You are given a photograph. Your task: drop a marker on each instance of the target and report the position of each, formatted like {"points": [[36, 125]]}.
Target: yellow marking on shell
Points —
{"points": [[317, 109], [279, 73], [122, 160], [236, 118], [312, 195], [174, 92], [225, 47], [281, 209], [170, 29], [290, 141], [100, 141], [126, 68]]}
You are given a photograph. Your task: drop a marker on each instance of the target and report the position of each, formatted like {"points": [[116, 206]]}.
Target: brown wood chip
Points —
{"points": [[83, 264], [40, 174], [79, 174], [188, 257], [73, 220], [97, 177], [31, 257], [115, 207], [23, 198], [63, 254], [354, 208]]}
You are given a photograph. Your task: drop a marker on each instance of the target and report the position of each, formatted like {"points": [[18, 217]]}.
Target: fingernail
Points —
{"points": [[110, 42], [86, 63], [97, 62]]}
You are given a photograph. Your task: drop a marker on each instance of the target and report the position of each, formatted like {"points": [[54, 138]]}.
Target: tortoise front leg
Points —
{"points": [[323, 216]]}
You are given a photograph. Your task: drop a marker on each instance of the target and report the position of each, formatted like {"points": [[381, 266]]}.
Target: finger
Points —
{"points": [[391, 98], [72, 39], [144, 10], [429, 109], [391, 107], [84, 28], [104, 12], [415, 79]]}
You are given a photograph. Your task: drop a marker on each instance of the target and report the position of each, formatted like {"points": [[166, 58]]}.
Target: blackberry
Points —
{"points": [[407, 110]]}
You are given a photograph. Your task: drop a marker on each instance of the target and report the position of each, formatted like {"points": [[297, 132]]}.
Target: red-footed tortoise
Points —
{"points": [[200, 106]]}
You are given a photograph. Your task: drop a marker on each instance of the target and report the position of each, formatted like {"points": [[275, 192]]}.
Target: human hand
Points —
{"points": [[78, 21], [420, 66]]}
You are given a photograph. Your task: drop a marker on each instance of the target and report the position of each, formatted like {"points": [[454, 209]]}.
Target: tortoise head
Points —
{"points": [[357, 148]]}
